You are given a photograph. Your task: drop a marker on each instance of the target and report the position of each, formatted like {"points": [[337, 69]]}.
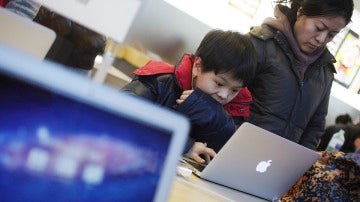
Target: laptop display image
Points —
{"points": [[65, 138], [257, 162]]}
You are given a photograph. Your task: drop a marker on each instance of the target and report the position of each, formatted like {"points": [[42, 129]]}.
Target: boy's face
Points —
{"points": [[222, 87]]}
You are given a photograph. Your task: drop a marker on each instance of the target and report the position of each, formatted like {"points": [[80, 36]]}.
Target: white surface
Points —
{"points": [[225, 193], [111, 18], [219, 14], [345, 95]]}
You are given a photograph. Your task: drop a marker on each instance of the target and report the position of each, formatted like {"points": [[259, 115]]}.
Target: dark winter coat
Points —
{"points": [[283, 103], [75, 45]]}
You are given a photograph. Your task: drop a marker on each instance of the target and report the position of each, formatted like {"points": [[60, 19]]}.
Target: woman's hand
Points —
{"points": [[200, 148], [183, 96]]}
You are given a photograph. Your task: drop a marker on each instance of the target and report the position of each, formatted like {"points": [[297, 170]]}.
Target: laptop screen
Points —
{"points": [[54, 147]]}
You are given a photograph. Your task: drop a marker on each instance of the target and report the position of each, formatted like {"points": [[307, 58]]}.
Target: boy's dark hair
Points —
{"points": [[343, 8], [227, 51]]}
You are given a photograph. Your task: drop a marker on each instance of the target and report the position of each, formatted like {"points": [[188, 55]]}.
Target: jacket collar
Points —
{"points": [[265, 32], [183, 71]]}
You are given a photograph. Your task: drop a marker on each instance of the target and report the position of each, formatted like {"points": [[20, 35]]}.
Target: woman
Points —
{"points": [[294, 74]]}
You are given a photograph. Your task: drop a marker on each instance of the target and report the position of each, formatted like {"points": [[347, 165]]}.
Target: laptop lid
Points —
{"points": [[24, 34], [111, 18], [65, 138], [259, 162]]}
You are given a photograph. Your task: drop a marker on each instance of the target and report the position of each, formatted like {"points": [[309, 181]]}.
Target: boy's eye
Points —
{"points": [[219, 84], [236, 90]]}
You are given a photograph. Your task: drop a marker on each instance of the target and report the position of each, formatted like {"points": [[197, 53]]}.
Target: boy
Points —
{"points": [[201, 87]]}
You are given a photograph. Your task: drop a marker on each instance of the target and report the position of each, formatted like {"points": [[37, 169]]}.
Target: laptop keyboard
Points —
{"points": [[198, 166]]}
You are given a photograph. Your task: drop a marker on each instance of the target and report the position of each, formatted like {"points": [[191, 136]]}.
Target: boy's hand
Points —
{"points": [[183, 96], [200, 148]]}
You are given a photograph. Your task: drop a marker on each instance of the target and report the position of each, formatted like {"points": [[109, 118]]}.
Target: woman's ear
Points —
{"points": [[196, 66]]}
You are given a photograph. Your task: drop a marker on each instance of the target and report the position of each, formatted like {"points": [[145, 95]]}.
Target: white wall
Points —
{"points": [[170, 29], [165, 30], [337, 107]]}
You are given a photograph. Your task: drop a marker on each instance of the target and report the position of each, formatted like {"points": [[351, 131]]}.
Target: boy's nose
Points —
{"points": [[223, 94]]}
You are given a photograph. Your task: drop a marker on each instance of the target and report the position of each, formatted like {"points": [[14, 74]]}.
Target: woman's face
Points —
{"points": [[312, 33]]}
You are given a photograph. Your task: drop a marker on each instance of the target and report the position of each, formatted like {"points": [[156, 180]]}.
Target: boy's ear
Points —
{"points": [[196, 66]]}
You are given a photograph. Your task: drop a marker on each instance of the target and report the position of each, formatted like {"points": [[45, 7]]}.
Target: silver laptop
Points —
{"points": [[258, 162], [24, 34], [65, 138]]}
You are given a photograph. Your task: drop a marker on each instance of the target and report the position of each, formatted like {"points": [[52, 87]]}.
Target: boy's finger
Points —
{"points": [[197, 158]]}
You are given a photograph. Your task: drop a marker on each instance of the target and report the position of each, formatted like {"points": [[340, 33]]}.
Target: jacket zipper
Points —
{"points": [[301, 90]]}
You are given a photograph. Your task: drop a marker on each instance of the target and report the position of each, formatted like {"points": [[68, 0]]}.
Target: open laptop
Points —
{"points": [[258, 162], [64, 137], [24, 34]]}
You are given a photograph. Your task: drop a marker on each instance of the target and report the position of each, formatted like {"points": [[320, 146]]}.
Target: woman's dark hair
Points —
{"points": [[228, 51], [343, 8], [344, 119]]}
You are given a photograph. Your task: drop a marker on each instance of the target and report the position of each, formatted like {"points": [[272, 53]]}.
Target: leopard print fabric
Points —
{"points": [[334, 177]]}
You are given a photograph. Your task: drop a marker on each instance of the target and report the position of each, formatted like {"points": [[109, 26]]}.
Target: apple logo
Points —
{"points": [[262, 166]]}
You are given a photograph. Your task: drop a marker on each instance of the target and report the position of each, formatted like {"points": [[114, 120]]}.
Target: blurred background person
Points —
{"points": [[343, 125]]}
